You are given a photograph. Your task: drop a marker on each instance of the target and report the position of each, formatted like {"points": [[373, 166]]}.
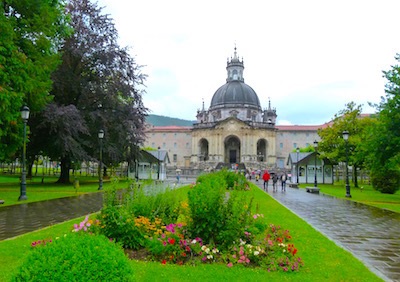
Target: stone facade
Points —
{"points": [[234, 129]]}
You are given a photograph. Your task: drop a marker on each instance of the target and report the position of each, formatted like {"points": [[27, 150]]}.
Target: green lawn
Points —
{"points": [[324, 260], [49, 189], [366, 195]]}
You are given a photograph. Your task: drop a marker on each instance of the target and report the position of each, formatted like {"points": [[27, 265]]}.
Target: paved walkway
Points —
{"points": [[370, 234]]}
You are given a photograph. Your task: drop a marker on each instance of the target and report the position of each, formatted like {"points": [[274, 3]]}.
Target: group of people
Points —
{"points": [[267, 177]]}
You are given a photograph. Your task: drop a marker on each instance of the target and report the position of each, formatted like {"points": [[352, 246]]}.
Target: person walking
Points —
{"points": [[266, 177], [283, 181], [275, 182]]}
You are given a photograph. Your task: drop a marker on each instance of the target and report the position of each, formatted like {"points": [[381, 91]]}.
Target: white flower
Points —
{"points": [[249, 246], [209, 256], [207, 250], [242, 242], [256, 253], [194, 241], [203, 248], [215, 251]]}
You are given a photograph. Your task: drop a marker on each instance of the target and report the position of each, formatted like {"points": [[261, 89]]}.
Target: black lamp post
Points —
{"points": [[297, 165], [158, 166], [101, 136], [315, 163], [25, 117], [346, 138]]}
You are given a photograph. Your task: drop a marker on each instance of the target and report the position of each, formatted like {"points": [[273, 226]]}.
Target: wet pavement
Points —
{"points": [[23, 218], [371, 234]]}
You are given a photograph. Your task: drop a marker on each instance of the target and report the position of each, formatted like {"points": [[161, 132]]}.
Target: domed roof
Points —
{"points": [[235, 93]]}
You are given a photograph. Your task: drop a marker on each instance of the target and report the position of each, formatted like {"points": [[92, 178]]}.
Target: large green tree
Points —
{"points": [[30, 32], [384, 138], [95, 87], [332, 144]]}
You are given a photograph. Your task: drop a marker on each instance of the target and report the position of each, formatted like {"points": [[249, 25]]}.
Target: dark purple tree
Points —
{"points": [[96, 87]]}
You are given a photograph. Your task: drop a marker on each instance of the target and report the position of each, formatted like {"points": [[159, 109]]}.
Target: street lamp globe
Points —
{"points": [[345, 135], [25, 113]]}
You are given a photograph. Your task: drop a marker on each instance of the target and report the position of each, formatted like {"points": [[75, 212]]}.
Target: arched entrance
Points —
{"points": [[232, 150], [262, 150], [203, 149]]}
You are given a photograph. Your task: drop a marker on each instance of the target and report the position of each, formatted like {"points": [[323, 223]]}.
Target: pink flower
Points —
{"points": [[164, 243], [170, 228], [229, 264]]}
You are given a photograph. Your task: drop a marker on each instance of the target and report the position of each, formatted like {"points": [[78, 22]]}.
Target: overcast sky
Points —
{"points": [[309, 58]]}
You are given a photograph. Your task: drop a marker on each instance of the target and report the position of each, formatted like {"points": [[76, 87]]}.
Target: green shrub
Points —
{"points": [[76, 257], [217, 216], [118, 224], [121, 209], [385, 180]]}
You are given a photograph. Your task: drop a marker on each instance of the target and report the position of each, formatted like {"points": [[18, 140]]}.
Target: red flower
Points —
{"points": [[164, 261], [171, 241]]}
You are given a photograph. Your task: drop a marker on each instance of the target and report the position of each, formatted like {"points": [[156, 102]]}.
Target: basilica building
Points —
{"points": [[234, 131]]}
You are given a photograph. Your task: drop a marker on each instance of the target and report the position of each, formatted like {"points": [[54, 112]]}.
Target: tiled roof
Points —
{"points": [[172, 128]]}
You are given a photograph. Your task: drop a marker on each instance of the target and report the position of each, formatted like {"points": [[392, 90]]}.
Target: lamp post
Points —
{"points": [[297, 165], [101, 136], [346, 138], [315, 163], [158, 166], [25, 117]]}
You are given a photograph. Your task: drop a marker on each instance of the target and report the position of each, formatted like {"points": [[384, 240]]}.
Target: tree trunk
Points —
{"points": [[65, 168], [355, 176], [29, 167]]}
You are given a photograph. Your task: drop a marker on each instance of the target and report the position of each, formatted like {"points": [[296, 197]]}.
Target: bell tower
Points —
{"points": [[235, 68]]}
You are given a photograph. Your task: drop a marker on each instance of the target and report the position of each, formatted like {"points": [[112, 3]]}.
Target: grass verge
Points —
{"points": [[365, 195]]}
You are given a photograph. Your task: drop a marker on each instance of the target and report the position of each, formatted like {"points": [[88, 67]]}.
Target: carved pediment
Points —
{"points": [[232, 124]]}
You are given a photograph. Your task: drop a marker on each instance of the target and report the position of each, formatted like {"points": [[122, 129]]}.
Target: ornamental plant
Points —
{"points": [[217, 216], [274, 252], [76, 257]]}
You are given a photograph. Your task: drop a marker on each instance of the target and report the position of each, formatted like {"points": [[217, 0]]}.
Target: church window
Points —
{"points": [[175, 145], [153, 144], [175, 157], [163, 145], [307, 144], [294, 145], [281, 145]]}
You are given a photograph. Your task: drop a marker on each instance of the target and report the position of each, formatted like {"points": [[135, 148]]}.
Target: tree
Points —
{"points": [[30, 32], [384, 142], [332, 144], [97, 86]]}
